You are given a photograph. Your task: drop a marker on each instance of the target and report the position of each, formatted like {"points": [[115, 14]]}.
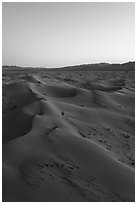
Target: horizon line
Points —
{"points": [[69, 65]]}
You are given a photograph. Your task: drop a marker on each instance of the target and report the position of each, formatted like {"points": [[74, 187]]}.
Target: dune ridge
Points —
{"points": [[64, 142]]}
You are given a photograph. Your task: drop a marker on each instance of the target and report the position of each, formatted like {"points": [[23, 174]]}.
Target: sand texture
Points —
{"points": [[68, 136]]}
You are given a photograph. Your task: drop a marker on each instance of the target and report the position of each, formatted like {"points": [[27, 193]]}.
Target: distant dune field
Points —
{"points": [[68, 136]]}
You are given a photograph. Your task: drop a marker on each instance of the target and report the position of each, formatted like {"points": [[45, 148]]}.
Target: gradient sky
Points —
{"points": [[58, 34]]}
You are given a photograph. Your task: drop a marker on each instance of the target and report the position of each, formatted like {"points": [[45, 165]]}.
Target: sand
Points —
{"points": [[68, 139]]}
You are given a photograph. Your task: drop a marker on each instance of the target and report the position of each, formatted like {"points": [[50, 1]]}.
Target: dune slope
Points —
{"points": [[63, 142]]}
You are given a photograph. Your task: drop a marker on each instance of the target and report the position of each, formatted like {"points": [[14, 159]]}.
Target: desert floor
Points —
{"points": [[68, 136]]}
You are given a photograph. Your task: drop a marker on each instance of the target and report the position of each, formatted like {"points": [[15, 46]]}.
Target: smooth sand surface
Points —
{"points": [[67, 141]]}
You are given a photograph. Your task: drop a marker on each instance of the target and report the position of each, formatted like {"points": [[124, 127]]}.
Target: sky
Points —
{"points": [[60, 34]]}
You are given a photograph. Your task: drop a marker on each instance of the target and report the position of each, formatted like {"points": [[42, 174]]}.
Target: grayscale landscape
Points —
{"points": [[68, 135], [68, 102]]}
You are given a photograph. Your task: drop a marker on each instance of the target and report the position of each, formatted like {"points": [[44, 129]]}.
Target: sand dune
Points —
{"points": [[63, 142]]}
